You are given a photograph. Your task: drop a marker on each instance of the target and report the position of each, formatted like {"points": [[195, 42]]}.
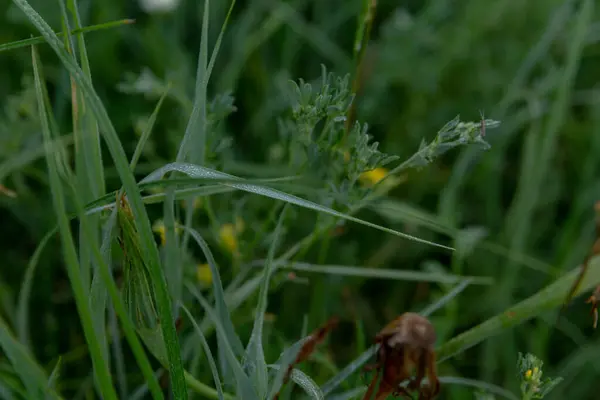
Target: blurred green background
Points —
{"points": [[521, 212]]}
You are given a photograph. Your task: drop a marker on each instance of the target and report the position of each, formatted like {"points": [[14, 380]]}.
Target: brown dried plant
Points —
{"points": [[406, 352]]}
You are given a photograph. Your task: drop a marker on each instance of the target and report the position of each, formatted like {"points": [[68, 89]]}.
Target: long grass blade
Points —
{"points": [[254, 352], [198, 171], [244, 385], [209, 357]]}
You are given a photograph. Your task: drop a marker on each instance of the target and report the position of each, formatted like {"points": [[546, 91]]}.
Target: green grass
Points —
{"points": [[243, 126]]}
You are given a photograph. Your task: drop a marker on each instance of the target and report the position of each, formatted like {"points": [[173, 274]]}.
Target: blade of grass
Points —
{"points": [[209, 357], [304, 381], [430, 309], [221, 307], [244, 385], [488, 387], [102, 374], [31, 374], [149, 248], [25, 292], [40, 39], [378, 273], [546, 299], [147, 130], [254, 351], [198, 171]]}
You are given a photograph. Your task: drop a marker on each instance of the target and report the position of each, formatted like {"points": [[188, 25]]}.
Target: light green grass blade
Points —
{"points": [[305, 382], [209, 357], [40, 39], [25, 292], [254, 352], [545, 300], [149, 248], [198, 171], [80, 292], [221, 307], [245, 389], [147, 130], [53, 379], [441, 302], [31, 374], [380, 273]]}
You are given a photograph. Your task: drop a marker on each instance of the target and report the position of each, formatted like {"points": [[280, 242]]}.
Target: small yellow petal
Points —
{"points": [[239, 225], [346, 156], [528, 374], [204, 274], [159, 227], [369, 178], [228, 238]]}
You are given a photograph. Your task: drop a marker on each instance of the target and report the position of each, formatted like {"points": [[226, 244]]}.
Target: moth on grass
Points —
{"points": [[138, 293]]}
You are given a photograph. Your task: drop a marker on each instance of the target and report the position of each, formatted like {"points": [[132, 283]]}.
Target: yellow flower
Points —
{"points": [[196, 204], [370, 178], [346, 156], [203, 274], [239, 225], [528, 374], [159, 228], [227, 234]]}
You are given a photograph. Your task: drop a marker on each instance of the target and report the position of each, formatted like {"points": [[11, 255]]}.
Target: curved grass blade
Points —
{"points": [[220, 305], [198, 171], [305, 382], [244, 385], [31, 374], [209, 357], [254, 352], [24, 293], [117, 152]]}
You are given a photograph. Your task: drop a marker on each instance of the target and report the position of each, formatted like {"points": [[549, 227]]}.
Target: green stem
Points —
{"points": [[546, 299]]}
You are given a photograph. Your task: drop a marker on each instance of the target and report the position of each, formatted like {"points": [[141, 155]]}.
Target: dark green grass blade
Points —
{"points": [[80, 292]]}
